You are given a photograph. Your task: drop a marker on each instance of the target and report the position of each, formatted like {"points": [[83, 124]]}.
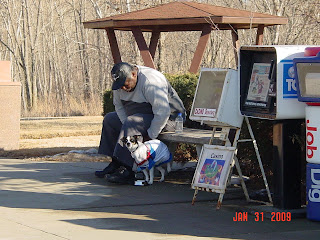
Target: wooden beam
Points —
{"points": [[154, 42], [259, 39], [198, 54], [142, 45], [268, 21], [113, 45], [235, 43]]}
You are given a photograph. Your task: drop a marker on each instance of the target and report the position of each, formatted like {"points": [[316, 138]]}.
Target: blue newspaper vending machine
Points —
{"points": [[307, 75]]}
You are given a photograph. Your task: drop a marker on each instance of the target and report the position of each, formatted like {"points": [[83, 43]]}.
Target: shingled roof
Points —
{"points": [[181, 16]]}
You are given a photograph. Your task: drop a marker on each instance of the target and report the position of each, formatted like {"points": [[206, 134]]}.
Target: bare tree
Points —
{"points": [[64, 68]]}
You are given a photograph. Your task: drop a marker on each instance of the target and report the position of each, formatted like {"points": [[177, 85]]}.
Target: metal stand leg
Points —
{"points": [[230, 174], [259, 159], [194, 196], [243, 184], [220, 201]]}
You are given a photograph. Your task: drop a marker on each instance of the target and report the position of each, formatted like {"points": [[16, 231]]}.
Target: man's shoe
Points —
{"points": [[122, 176], [111, 168]]}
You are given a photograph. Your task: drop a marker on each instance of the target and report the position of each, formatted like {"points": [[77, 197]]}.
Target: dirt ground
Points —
{"points": [[69, 139], [54, 138]]}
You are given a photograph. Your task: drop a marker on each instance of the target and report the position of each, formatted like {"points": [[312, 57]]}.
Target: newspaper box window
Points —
{"points": [[308, 78], [216, 100], [260, 86]]}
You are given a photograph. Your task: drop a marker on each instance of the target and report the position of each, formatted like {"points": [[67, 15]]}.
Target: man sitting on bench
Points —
{"points": [[145, 104]]}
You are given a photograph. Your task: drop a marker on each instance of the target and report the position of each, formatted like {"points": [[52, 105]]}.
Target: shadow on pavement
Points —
{"points": [[163, 208]]}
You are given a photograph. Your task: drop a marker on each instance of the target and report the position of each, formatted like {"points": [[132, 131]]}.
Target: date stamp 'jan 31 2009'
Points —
{"points": [[260, 217]]}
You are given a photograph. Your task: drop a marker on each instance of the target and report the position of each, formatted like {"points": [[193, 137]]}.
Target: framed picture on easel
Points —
{"points": [[213, 168]]}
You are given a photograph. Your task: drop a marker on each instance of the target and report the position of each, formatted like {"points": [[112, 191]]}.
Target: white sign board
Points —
{"points": [[213, 168]]}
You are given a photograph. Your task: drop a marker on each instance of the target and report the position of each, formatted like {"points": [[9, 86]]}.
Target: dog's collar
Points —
{"points": [[135, 149]]}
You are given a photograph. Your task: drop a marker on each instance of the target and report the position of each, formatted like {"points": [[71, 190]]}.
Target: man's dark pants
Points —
{"points": [[113, 130]]}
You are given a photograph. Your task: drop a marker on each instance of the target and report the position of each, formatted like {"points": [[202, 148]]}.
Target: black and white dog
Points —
{"points": [[149, 155]]}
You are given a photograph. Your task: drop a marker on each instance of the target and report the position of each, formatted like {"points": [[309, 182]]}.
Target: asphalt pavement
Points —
{"points": [[64, 200]]}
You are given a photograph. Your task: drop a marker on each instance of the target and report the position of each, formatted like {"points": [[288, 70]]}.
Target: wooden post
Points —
{"points": [[259, 39], [198, 54], [144, 50], [154, 42], [113, 45], [236, 44]]}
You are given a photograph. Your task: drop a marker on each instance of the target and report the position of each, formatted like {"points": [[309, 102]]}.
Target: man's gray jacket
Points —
{"points": [[153, 94]]}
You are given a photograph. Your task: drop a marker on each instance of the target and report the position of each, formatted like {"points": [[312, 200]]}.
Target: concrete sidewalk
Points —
{"points": [[59, 200]]}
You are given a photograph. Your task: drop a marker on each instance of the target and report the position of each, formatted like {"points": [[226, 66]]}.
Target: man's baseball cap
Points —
{"points": [[119, 74]]}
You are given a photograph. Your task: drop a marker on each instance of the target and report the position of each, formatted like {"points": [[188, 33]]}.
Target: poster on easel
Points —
{"points": [[213, 168]]}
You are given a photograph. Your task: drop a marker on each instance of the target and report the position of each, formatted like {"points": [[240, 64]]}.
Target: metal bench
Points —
{"points": [[188, 136]]}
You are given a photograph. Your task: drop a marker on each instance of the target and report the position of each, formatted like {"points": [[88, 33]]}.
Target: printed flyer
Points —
{"points": [[259, 83], [213, 167]]}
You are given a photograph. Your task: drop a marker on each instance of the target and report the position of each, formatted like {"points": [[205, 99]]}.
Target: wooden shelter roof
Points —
{"points": [[182, 16], [185, 16]]}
